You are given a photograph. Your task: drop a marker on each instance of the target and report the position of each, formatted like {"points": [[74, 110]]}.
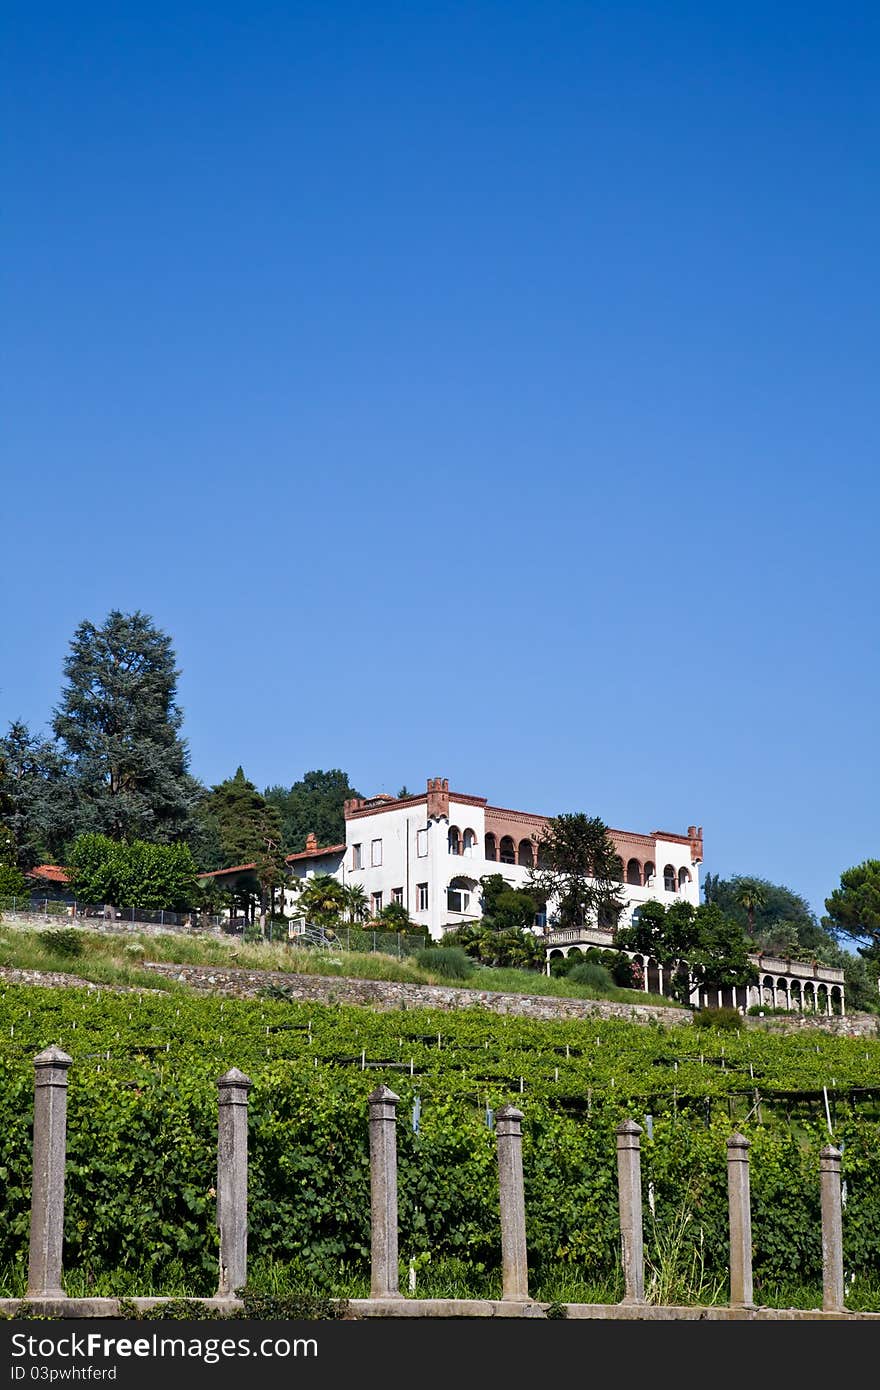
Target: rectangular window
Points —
{"points": [[376, 903], [457, 901], [421, 843], [356, 862], [422, 897], [397, 896], [376, 853]]}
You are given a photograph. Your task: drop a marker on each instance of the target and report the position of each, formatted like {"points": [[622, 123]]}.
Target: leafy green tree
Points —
{"points": [[132, 873], [711, 945], [506, 908], [720, 958], [315, 803], [37, 796], [119, 725], [854, 908], [780, 911], [579, 870]]}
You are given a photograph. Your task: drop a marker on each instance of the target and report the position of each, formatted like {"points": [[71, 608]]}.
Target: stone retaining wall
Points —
{"points": [[388, 994]]}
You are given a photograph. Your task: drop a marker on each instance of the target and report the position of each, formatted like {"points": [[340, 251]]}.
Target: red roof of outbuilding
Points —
{"points": [[53, 872]]}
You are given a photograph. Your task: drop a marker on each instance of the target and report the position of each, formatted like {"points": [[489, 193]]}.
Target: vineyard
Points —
{"points": [[142, 1132]]}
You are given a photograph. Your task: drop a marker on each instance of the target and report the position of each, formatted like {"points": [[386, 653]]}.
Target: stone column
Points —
{"points": [[232, 1165], [50, 1152], [629, 1183], [514, 1263], [739, 1205], [383, 1193], [832, 1230]]}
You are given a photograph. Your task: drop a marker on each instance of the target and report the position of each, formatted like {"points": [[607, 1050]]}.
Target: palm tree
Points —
{"points": [[355, 903], [751, 896], [322, 900]]}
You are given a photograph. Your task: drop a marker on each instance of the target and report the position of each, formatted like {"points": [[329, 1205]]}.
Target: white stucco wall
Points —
{"points": [[403, 867]]}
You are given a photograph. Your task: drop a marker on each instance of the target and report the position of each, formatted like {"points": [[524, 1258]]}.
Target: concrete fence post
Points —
{"points": [[514, 1259], [47, 1194], [383, 1193], [739, 1205], [232, 1178], [629, 1184], [832, 1230]]}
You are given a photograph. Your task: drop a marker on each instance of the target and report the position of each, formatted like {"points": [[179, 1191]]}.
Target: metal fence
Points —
{"points": [[30, 908], [73, 911]]}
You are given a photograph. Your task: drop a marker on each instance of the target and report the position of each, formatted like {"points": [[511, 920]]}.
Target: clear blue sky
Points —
{"points": [[478, 390]]}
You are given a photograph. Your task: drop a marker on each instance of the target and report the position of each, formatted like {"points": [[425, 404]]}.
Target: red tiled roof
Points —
{"points": [[314, 853], [53, 872], [235, 869]]}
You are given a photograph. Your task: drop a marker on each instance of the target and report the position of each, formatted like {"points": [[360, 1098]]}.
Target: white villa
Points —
{"points": [[429, 852]]}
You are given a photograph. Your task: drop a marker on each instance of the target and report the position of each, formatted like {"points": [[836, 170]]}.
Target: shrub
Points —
{"points": [[729, 1019], [450, 962], [62, 941], [592, 974]]}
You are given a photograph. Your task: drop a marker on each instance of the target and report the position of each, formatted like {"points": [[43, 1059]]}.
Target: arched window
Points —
{"points": [[458, 894], [469, 840], [524, 853], [634, 871], [649, 874], [454, 840], [508, 850], [669, 878], [491, 847], [618, 867], [684, 879]]}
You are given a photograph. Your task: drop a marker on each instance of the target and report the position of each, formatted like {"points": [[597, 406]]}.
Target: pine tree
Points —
{"points": [[118, 722]]}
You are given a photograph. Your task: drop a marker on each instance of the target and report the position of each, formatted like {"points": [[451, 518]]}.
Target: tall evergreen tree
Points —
{"points": [[37, 796], [244, 820], [313, 804], [119, 723]]}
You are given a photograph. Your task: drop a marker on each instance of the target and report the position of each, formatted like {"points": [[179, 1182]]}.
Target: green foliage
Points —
{"points": [[323, 901], [506, 908], [854, 908], [140, 1206], [579, 870], [244, 821], [36, 796], [781, 920], [514, 948], [118, 724], [132, 874], [394, 917], [12, 882], [712, 944], [590, 973], [450, 962], [313, 804], [729, 1020], [63, 941]]}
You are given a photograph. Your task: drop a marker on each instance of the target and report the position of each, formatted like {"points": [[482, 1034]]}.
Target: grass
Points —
{"points": [[108, 958]]}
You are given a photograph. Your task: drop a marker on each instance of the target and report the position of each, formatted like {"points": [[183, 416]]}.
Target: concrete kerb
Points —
{"points": [[401, 1307]]}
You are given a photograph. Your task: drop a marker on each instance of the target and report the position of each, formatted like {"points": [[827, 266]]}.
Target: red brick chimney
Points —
{"points": [[311, 843], [438, 797]]}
